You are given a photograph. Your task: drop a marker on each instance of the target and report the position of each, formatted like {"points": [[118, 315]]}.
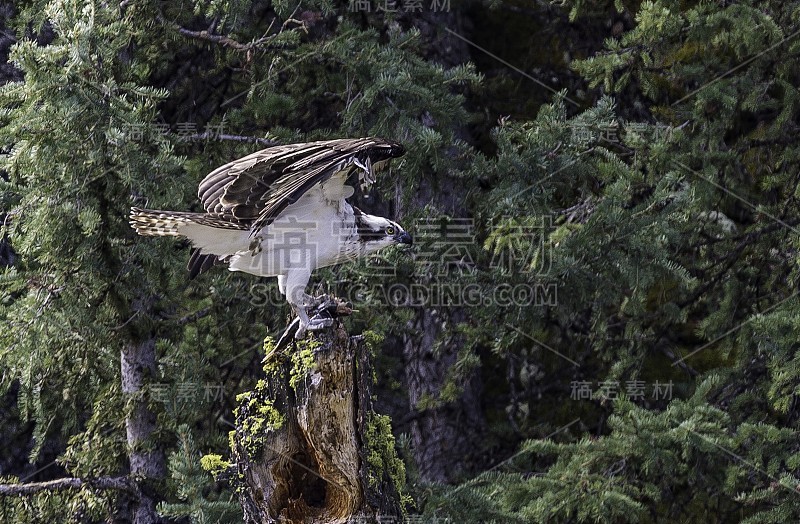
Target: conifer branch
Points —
{"points": [[227, 41], [210, 135], [731, 257], [193, 317], [221, 39], [31, 488]]}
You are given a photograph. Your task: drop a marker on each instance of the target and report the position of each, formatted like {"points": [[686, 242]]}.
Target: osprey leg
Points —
{"points": [[294, 285], [315, 323]]}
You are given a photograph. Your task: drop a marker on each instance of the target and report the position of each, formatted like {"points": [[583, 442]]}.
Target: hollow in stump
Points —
{"points": [[308, 446]]}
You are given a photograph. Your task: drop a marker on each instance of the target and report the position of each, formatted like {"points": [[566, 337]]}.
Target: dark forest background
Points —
{"points": [[599, 321]]}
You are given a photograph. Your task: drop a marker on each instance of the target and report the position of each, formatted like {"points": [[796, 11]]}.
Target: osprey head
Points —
{"points": [[378, 232]]}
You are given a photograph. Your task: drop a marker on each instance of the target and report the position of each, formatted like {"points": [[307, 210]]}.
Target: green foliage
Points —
{"points": [[82, 505], [196, 497], [672, 249], [663, 215], [73, 171], [667, 463], [85, 145]]}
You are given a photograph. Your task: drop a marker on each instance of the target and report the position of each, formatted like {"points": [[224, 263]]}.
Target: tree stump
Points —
{"points": [[308, 447]]}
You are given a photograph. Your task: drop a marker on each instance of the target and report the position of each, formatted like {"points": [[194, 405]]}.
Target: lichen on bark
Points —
{"points": [[308, 446]]}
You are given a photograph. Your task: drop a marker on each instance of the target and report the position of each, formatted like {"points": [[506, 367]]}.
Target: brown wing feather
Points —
{"points": [[247, 179], [256, 188], [200, 263]]}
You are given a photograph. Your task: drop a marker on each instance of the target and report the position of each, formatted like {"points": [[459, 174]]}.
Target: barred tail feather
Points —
{"points": [[215, 238], [211, 233], [157, 223], [151, 222]]}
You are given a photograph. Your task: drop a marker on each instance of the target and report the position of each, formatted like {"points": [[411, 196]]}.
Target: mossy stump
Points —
{"points": [[308, 447]]}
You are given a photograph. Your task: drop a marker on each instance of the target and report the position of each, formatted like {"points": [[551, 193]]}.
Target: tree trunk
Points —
{"points": [[308, 446], [455, 428], [446, 430], [147, 464]]}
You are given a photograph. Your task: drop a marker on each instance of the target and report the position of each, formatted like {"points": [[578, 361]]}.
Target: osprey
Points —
{"points": [[282, 211]]}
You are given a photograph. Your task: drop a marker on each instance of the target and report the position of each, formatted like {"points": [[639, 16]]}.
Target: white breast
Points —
{"points": [[316, 231]]}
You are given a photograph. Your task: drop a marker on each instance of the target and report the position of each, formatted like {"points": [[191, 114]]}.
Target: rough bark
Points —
{"points": [[445, 435], [317, 464], [146, 462]]}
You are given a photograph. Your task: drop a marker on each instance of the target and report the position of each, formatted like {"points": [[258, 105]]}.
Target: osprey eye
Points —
{"points": [[390, 230]]}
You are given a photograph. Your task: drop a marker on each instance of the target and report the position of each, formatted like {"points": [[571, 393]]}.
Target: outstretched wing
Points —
{"points": [[255, 189]]}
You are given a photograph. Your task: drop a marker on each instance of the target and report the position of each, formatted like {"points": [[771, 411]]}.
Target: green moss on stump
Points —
{"points": [[256, 416], [214, 464], [302, 361], [381, 454]]}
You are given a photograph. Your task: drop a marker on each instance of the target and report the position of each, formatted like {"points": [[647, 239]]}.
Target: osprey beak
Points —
{"points": [[405, 238]]}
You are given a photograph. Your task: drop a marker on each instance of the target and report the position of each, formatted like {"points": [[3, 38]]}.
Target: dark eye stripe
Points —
{"points": [[368, 235]]}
